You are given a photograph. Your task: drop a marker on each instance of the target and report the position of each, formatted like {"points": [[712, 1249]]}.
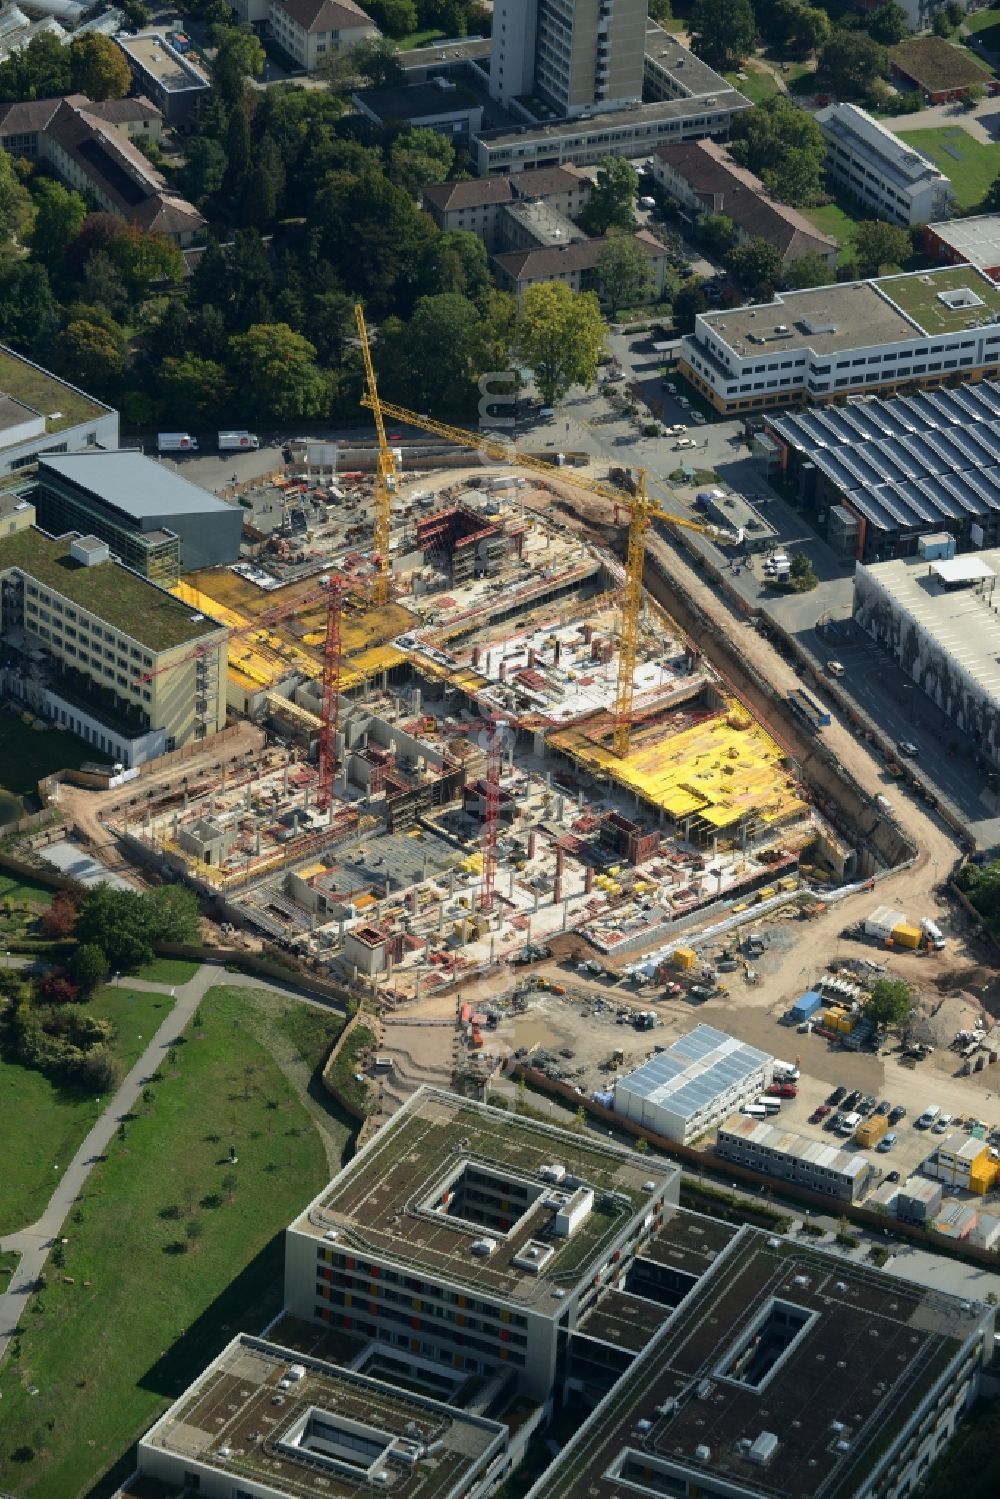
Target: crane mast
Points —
{"points": [[387, 473]]}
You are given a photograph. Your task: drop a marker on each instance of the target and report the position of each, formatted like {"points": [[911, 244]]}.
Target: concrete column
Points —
{"points": [[532, 843], [536, 900], [440, 920], [565, 914], [557, 890], [451, 882], [286, 775], [588, 879], [510, 885], [579, 797]]}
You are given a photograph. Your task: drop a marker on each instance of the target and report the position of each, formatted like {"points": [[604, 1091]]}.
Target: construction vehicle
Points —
{"points": [[642, 511]]}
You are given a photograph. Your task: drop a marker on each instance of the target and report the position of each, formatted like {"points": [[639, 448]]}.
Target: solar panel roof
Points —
{"points": [[694, 1070]]}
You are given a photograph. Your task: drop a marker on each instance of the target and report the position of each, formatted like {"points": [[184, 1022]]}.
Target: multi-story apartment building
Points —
{"points": [[897, 333], [104, 652], [461, 1240], [479, 204], [314, 31], [576, 55], [879, 170]]}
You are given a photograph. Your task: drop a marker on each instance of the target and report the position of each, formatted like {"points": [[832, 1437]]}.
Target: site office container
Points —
{"points": [[871, 1130], [906, 935]]}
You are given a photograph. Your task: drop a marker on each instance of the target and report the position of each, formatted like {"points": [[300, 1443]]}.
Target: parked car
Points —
{"points": [[698, 419], [833, 1123], [684, 443], [886, 1143], [783, 1090], [837, 1096], [893, 1176], [677, 430], [835, 668], [907, 747], [885, 1107], [896, 1114], [854, 1097]]}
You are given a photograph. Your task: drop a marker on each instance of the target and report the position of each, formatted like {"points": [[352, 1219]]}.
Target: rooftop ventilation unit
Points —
{"points": [[483, 1247], [763, 1448], [702, 1453]]}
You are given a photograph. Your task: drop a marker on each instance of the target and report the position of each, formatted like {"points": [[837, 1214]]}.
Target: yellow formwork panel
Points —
{"points": [[718, 770], [205, 604]]}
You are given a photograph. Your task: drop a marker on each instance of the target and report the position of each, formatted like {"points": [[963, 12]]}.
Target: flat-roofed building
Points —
{"points": [[937, 619], [816, 1164], [787, 1372], [693, 1084], [439, 105], [894, 333], [154, 520], [265, 1420], [879, 170], [40, 413], [172, 80], [466, 1240], [973, 241], [104, 652]]}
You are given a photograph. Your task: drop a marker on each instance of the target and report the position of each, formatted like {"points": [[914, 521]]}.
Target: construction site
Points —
{"points": [[486, 735]]}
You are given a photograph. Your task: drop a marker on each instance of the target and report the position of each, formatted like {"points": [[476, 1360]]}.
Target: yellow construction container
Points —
{"points": [[767, 892], [870, 1132], [685, 957], [983, 1173], [839, 1020], [906, 935]]}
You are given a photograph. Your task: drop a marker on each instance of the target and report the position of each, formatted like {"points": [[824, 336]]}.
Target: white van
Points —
{"points": [[848, 1124], [928, 1117], [942, 1124], [754, 1110], [770, 1105]]}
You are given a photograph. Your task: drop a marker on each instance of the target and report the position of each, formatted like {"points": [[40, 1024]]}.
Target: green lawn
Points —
{"points": [[311, 1031], [343, 1076], [414, 39], [168, 971], [26, 755], [17, 891], [8, 1262], [831, 219], [43, 1122], [149, 1306], [969, 163], [757, 87], [985, 24]]}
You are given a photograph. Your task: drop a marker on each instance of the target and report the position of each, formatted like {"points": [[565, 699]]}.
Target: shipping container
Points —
{"points": [[906, 935], [806, 1007], [883, 921], [685, 957], [870, 1131]]}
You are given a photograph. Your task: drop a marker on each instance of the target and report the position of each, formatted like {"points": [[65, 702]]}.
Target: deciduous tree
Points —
{"points": [[809, 270], [877, 244], [755, 266], [723, 31], [98, 67], [624, 274], [612, 202], [689, 301], [88, 967], [277, 373], [851, 61], [560, 336], [889, 1002]]}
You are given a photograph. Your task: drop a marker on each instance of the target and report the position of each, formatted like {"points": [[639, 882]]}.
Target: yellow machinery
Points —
{"points": [[642, 509], [386, 475]]}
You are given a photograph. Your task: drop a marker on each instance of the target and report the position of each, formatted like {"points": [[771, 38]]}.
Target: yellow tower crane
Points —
{"points": [[642, 510], [387, 472]]}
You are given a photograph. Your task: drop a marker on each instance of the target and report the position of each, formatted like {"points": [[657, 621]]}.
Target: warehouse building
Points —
{"points": [[690, 1087], [887, 473], [39, 413], [153, 519], [463, 1240], [895, 333], [105, 653], [938, 620], [795, 1158]]}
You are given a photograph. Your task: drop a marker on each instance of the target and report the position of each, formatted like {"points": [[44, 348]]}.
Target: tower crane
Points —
{"points": [[387, 471], [641, 507]]}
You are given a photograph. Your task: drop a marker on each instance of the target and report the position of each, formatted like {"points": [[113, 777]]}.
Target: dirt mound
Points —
{"points": [[972, 980]]}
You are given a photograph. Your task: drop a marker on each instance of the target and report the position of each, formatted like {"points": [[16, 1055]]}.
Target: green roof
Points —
{"points": [[918, 295], [121, 598], [45, 393]]}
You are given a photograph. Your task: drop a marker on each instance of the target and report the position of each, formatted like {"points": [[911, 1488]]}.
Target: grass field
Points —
{"points": [[26, 755], [753, 85], [168, 971], [343, 1074], [831, 219], [969, 163], [17, 891], [150, 1304], [43, 1122], [415, 39]]}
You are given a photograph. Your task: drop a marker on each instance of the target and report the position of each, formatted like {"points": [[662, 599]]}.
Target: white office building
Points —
{"points": [[879, 170]]}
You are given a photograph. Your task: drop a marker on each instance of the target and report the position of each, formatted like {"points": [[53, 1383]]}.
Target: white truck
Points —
{"points": [[176, 442], [238, 442], [933, 933]]}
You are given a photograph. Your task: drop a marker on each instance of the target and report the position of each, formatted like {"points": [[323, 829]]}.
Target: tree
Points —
{"points": [[172, 914], [811, 29], [878, 244], [803, 574], [239, 56], [418, 156], [60, 213], [716, 232], [689, 301], [973, 95], [90, 354], [125, 924], [438, 356], [889, 1002], [59, 990], [59, 917], [98, 67], [560, 336], [15, 200], [851, 61], [456, 262], [755, 266], [723, 31], [193, 1231], [103, 285], [193, 389], [941, 25], [204, 167], [29, 313], [612, 202], [784, 146], [277, 373], [888, 24], [624, 274], [954, 13], [374, 236], [40, 71], [88, 966], [394, 17], [991, 202], [809, 270], [373, 61], [660, 11]]}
